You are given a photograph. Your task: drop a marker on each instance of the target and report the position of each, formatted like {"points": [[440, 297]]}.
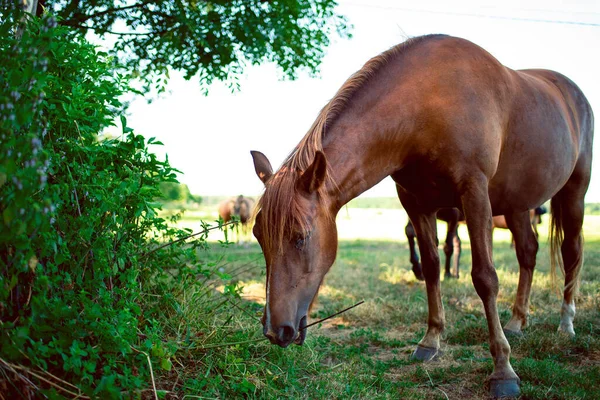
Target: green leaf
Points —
{"points": [[13, 282], [165, 363]]}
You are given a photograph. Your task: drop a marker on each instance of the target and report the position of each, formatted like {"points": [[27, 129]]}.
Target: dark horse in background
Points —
{"points": [[452, 244], [518, 139], [240, 207]]}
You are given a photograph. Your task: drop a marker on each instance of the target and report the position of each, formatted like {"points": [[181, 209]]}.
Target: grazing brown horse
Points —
{"points": [[226, 209], [518, 138], [452, 245], [241, 208], [535, 215]]}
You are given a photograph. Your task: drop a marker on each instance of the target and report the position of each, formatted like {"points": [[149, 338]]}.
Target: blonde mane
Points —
{"points": [[281, 214]]}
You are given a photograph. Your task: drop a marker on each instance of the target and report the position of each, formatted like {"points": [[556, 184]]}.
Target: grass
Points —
{"points": [[365, 353]]}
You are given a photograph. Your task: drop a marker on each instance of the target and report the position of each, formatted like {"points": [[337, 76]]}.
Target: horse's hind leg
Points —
{"points": [[476, 206], [526, 247], [567, 215], [414, 256], [452, 248]]}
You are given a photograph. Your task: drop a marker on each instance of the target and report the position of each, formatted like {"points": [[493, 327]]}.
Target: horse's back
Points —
{"points": [[560, 100], [524, 130], [226, 210]]}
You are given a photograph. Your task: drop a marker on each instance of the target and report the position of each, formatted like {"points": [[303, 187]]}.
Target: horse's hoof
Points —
{"points": [[511, 333], [422, 353], [566, 331], [504, 388], [416, 269]]}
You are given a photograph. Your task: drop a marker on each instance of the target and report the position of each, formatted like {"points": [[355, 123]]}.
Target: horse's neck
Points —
{"points": [[359, 158]]}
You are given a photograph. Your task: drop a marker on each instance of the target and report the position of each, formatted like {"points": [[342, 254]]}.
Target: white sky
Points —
{"points": [[210, 138]]}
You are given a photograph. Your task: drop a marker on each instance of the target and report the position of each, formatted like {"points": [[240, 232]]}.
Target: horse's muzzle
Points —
{"points": [[285, 334], [302, 334]]}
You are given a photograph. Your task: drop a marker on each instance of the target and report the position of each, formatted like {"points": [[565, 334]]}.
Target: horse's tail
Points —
{"points": [[556, 236], [556, 239]]}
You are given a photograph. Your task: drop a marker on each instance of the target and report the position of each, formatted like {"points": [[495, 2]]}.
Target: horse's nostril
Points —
{"points": [[270, 335], [287, 333]]}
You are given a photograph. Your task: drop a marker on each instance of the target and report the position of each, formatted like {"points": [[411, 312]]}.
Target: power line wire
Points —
{"points": [[522, 19]]}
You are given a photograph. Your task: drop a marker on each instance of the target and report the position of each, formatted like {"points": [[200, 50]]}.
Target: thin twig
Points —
{"points": [[429, 376], [13, 367], [215, 346], [433, 385], [186, 237], [45, 372], [333, 315], [248, 313], [175, 384], [444, 393], [74, 191], [151, 371], [236, 271]]}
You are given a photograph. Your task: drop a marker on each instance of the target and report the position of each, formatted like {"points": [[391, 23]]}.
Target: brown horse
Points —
{"points": [[518, 138], [240, 208], [535, 215], [452, 245]]}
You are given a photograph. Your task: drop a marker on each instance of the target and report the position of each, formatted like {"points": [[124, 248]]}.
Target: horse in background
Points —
{"points": [[535, 215], [241, 208], [452, 245], [452, 216]]}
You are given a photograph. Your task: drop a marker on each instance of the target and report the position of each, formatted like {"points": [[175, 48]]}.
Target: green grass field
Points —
{"points": [[365, 353]]}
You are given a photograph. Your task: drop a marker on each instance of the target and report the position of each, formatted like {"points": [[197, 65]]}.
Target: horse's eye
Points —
{"points": [[300, 243]]}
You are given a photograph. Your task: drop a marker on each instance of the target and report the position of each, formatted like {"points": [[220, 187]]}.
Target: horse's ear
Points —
{"points": [[314, 176], [262, 166]]}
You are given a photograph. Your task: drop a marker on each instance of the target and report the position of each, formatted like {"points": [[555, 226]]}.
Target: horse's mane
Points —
{"points": [[281, 213]]}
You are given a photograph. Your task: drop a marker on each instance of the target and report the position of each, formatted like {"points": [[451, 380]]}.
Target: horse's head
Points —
{"points": [[298, 236], [243, 208]]}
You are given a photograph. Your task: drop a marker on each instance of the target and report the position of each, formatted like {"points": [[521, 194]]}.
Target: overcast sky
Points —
{"points": [[210, 138]]}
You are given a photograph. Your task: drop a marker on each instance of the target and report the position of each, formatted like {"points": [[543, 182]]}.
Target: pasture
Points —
{"points": [[365, 353]]}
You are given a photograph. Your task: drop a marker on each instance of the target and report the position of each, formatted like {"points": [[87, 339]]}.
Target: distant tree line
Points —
{"points": [[173, 191], [592, 209]]}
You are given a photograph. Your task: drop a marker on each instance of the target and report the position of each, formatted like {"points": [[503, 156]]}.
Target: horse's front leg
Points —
{"points": [[426, 230], [476, 205]]}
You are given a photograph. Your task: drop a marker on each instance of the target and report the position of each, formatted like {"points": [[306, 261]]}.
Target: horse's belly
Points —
{"points": [[431, 190], [522, 184]]}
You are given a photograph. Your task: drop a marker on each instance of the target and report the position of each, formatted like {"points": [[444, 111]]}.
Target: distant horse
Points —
{"points": [[516, 139], [452, 244], [535, 215], [452, 247], [240, 207]]}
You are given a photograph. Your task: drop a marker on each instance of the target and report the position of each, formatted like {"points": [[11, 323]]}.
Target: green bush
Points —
{"points": [[82, 290], [173, 191], [592, 209]]}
